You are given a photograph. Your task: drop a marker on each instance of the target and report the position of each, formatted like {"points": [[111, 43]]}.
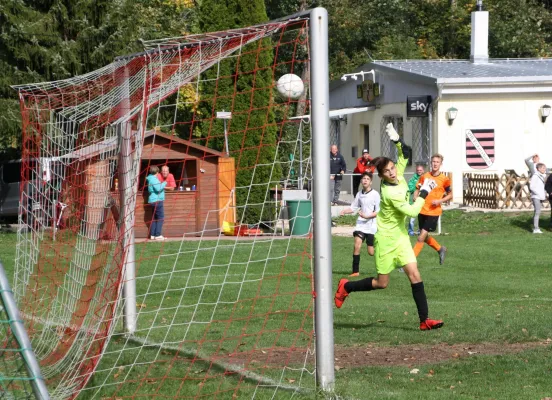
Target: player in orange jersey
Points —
{"points": [[431, 211]]}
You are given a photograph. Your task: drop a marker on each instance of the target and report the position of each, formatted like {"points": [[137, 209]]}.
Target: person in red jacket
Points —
{"points": [[362, 166]]}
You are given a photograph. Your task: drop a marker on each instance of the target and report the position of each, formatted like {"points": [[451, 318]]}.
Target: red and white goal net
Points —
{"points": [[223, 306]]}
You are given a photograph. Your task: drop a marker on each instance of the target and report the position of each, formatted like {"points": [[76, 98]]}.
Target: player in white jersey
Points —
{"points": [[367, 203]]}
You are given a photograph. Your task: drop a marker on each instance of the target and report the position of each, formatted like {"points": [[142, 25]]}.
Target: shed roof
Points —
{"points": [[465, 71], [110, 145]]}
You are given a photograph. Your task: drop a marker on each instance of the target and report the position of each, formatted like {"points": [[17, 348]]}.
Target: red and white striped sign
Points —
{"points": [[480, 148]]}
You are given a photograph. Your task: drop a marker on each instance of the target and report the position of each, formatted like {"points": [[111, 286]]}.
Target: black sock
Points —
{"points": [[421, 300], [363, 285], [356, 262]]}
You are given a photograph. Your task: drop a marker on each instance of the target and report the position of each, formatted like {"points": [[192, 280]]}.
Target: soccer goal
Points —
{"points": [[132, 289], [20, 376]]}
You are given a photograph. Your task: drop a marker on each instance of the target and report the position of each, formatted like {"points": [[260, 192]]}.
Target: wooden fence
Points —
{"points": [[492, 191]]}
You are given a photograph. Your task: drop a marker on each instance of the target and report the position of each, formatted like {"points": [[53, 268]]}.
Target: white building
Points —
{"points": [[483, 115]]}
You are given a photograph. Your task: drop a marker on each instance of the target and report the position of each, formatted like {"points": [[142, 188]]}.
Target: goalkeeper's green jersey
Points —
{"points": [[395, 206]]}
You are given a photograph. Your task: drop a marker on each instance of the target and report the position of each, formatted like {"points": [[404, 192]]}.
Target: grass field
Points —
{"points": [[494, 294], [494, 291]]}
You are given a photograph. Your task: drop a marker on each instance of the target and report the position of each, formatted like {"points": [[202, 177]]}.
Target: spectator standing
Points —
{"points": [[362, 166], [412, 188], [337, 169], [156, 199], [166, 176], [538, 194]]}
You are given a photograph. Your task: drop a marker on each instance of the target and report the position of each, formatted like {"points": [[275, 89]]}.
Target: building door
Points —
{"points": [[366, 132]]}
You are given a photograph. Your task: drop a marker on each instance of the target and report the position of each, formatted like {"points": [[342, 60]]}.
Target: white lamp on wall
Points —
{"points": [[545, 112], [354, 76], [451, 114]]}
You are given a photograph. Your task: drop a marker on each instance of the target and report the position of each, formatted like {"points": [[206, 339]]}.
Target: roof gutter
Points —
{"points": [[444, 90], [510, 80]]}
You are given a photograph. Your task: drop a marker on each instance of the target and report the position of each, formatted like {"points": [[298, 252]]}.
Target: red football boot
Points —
{"points": [[341, 293], [429, 324]]}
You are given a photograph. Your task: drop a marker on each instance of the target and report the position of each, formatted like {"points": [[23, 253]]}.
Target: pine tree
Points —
{"points": [[252, 135]]}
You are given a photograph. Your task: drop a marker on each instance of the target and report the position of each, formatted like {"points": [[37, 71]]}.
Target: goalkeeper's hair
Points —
{"points": [[380, 163], [437, 155]]}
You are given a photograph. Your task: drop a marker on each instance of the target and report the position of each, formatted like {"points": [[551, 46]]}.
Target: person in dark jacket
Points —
{"points": [[548, 190], [337, 169]]}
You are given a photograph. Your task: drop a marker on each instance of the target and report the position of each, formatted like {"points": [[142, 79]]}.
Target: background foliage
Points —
{"points": [[44, 40]]}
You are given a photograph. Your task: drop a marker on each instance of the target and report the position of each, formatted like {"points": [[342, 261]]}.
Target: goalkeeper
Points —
{"points": [[392, 244]]}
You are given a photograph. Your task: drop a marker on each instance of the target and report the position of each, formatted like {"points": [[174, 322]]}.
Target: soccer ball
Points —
{"points": [[290, 86]]}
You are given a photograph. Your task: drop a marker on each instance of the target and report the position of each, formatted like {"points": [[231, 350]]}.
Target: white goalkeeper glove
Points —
{"points": [[427, 186], [391, 132]]}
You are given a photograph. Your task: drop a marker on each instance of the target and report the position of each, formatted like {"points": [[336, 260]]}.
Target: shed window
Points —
{"points": [[184, 171]]}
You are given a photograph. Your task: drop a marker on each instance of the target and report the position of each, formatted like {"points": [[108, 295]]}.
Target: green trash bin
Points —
{"points": [[300, 216]]}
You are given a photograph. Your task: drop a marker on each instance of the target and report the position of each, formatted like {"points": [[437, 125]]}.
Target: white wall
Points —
{"points": [[519, 133]]}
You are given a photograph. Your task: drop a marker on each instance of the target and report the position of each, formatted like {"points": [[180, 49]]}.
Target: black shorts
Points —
{"points": [[368, 237], [428, 222]]}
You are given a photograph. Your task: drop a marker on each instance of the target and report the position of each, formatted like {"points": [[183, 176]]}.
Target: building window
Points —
{"points": [[335, 134], [420, 140], [366, 130], [388, 148]]}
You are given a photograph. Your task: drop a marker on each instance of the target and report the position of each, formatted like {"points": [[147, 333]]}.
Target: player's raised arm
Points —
{"points": [[404, 151]]}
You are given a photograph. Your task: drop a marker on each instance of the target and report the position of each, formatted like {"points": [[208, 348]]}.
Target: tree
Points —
{"points": [[398, 29], [519, 33], [282, 8], [45, 40], [251, 132]]}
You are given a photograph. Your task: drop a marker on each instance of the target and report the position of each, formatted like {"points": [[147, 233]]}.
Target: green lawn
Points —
{"points": [[494, 288]]}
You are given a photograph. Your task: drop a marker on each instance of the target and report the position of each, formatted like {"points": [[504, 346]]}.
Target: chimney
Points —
{"points": [[479, 35]]}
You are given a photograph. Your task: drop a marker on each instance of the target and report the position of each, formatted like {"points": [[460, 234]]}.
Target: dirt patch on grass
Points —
{"points": [[409, 355], [375, 355]]}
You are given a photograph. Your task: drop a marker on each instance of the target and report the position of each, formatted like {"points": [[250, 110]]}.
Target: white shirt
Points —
{"points": [[367, 203], [536, 185]]}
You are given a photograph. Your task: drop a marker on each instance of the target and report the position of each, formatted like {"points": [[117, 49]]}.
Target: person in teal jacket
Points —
{"points": [[156, 198]]}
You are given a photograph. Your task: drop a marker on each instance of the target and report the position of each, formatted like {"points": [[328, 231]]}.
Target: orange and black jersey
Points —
{"points": [[442, 188]]}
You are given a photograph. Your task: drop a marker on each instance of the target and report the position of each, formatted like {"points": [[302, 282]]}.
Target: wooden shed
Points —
{"points": [[204, 196], [203, 199]]}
